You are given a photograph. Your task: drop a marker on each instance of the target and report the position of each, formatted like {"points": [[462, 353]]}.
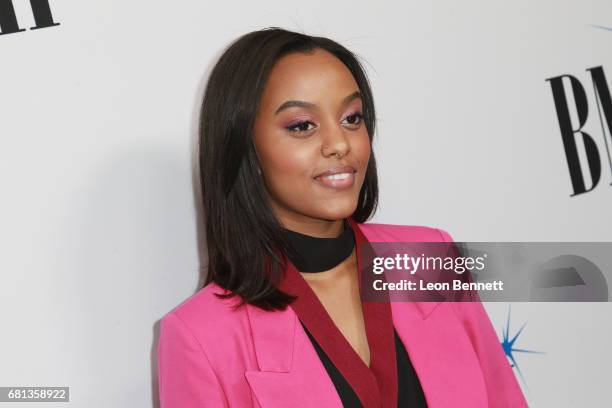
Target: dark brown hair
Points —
{"points": [[247, 247]]}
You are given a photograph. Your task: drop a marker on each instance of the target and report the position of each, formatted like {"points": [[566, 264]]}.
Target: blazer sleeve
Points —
{"points": [[186, 378], [503, 389]]}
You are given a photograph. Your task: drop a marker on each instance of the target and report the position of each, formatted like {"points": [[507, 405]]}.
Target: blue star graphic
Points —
{"points": [[508, 346]]}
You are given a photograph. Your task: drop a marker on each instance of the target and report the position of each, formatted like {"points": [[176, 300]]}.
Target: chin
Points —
{"points": [[333, 213]]}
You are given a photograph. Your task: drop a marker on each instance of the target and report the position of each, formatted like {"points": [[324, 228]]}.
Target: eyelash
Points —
{"points": [[290, 128]]}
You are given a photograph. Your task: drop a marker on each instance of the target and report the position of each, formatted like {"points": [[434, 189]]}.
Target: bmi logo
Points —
{"points": [[571, 131], [8, 19]]}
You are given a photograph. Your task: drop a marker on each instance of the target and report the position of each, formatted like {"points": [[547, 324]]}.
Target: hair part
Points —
{"points": [[247, 246]]}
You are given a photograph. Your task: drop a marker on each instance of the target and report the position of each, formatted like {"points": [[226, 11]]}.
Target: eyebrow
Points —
{"points": [[310, 105]]}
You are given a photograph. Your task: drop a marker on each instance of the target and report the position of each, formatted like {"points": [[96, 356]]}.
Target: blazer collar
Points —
{"points": [[274, 332], [365, 235], [284, 360], [273, 338]]}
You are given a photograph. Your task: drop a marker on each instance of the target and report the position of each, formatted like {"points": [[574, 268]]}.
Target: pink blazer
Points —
{"points": [[211, 356]]}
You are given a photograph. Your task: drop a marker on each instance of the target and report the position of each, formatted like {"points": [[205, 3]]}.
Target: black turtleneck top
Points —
{"points": [[321, 254]]}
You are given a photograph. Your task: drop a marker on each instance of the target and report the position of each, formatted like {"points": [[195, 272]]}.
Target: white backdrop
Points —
{"points": [[98, 224]]}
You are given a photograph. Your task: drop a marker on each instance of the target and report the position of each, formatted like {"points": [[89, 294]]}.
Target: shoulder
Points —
{"points": [[404, 233], [205, 315]]}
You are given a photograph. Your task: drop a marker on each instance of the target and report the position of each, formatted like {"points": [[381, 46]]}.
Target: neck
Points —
{"points": [[320, 254], [315, 228]]}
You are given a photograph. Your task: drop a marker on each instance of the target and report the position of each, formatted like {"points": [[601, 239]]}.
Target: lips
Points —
{"points": [[339, 178]]}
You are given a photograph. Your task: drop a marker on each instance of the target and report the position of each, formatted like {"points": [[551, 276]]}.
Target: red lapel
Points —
{"points": [[376, 386]]}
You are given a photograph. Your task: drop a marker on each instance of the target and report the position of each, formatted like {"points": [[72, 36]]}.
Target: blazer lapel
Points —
{"points": [[439, 348], [290, 373], [441, 353], [436, 342]]}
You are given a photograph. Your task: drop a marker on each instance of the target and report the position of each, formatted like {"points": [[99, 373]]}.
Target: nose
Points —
{"points": [[335, 142]]}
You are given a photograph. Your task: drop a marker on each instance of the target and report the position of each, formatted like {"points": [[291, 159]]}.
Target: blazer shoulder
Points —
{"points": [[404, 233], [204, 313]]}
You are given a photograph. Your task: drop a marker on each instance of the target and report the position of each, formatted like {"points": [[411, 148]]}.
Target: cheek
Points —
{"points": [[286, 165], [361, 149]]}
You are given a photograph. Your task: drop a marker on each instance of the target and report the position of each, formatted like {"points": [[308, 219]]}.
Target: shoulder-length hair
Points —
{"points": [[247, 246]]}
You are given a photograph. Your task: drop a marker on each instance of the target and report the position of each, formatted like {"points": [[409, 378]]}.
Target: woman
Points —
{"points": [[288, 180]]}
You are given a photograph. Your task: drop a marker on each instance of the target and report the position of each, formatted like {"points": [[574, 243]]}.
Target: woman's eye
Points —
{"points": [[300, 126], [355, 118], [303, 126]]}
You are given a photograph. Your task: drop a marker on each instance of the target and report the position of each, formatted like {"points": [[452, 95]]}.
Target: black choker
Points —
{"points": [[316, 254]]}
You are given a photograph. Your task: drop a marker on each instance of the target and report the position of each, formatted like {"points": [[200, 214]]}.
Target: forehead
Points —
{"points": [[319, 76]]}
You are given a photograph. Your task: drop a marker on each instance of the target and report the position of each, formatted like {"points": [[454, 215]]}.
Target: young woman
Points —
{"points": [[289, 180]]}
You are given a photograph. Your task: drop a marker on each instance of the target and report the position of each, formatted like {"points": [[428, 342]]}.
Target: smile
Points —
{"points": [[337, 181]]}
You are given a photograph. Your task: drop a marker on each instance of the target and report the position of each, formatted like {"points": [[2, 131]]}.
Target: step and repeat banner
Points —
{"points": [[494, 124]]}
